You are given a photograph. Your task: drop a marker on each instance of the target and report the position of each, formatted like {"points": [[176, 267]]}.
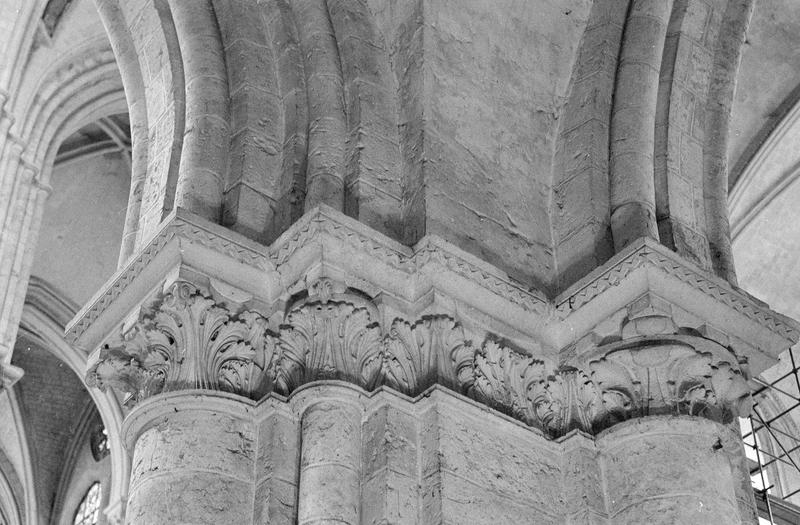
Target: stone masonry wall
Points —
{"points": [[333, 453]]}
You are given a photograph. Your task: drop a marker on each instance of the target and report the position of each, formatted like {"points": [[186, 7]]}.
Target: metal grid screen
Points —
{"points": [[772, 442]]}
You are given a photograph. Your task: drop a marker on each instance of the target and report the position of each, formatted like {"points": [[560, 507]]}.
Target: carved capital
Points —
{"points": [[567, 400], [431, 350], [507, 380], [675, 375], [187, 341], [684, 375], [649, 367], [340, 340], [328, 340], [556, 400]]}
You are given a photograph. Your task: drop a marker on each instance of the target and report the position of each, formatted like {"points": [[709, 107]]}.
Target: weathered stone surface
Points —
{"points": [[523, 203], [193, 462], [330, 463], [638, 340], [335, 453], [647, 365], [664, 470]]}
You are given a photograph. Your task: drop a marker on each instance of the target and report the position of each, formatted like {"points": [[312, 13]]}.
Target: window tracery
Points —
{"points": [[89, 510]]}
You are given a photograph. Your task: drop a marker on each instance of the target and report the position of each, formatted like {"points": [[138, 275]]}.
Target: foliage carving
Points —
{"points": [[188, 341]]}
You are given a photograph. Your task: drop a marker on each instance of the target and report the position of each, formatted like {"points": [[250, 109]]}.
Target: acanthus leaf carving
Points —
{"points": [[331, 340], [504, 378], [418, 355], [186, 341], [689, 378], [668, 376], [567, 400], [617, 389], [242, 355], [531, 390]]}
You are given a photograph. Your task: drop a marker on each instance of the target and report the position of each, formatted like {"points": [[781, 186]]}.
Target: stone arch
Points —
{"points": [[290, 77], [204, 155], [12, 493], [578, 176], [71, 108], [247, 162], [376, 191], [650, 93], [667, 164], [768, 167], [722, 83], [82, 85], [131, 74], [680, 211], [765, 131], [699, 63], [44, 315], [262, 156], [171, 44], [27, 502], [327, 130], [20, 40], [631, 178], [145, 42]]}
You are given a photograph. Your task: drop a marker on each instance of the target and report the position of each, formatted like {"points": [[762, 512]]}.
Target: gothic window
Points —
{"points": [[99, 443], [89, 509], [753, 450]]}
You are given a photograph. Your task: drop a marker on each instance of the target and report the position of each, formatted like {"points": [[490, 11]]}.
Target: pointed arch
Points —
{"points": [[44, 315]]}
